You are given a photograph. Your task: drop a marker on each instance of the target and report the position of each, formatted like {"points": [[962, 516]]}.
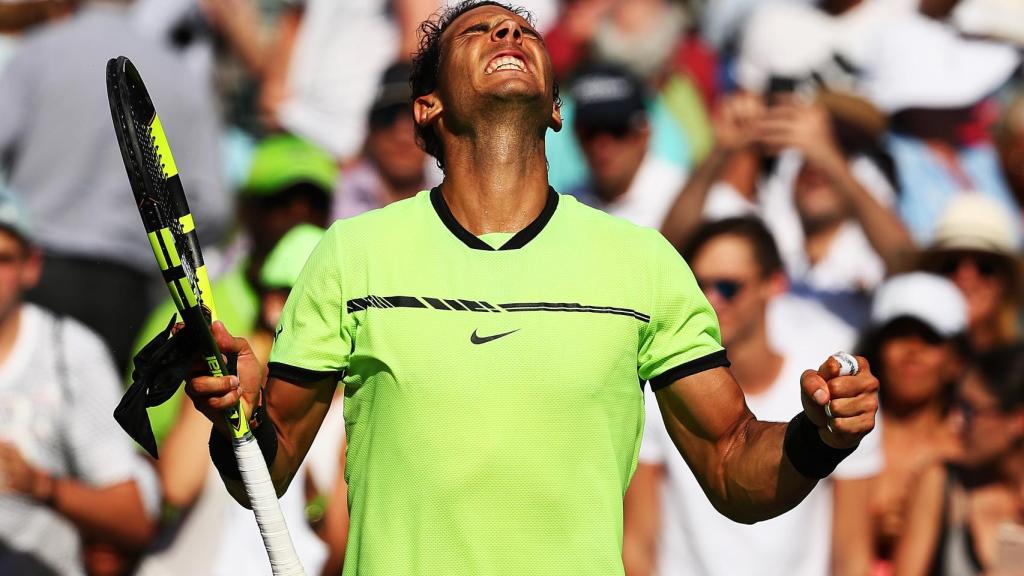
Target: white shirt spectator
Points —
{"points": [[650, 195], [697, 539], [340, 53], [56, 403], [850, 266]]}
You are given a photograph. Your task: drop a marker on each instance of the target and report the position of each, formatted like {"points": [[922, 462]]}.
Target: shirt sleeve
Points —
{"points": [[311, 341], [102, 453], [682, 337]]}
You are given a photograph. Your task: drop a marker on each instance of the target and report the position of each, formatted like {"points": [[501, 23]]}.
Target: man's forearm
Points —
{"points": [[883, 228], [686, 211], [756, 480], [113, 514]]}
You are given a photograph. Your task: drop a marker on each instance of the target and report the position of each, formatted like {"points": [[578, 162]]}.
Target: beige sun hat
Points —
{"points": [[975, 222]]}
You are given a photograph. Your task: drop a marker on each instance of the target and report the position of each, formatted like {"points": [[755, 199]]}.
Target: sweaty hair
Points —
{"points": [[1002, 371], [426, 62], [751, 230]]}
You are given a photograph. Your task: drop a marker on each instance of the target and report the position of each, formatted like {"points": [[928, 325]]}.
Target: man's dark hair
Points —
{"points": [[426, 62], [750, 229]]}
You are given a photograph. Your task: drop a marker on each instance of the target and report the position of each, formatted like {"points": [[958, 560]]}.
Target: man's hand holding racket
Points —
{"points": [[841, 398], [211, 395]]}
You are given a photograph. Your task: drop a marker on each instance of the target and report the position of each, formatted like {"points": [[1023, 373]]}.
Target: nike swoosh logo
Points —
{"points": [[482, 339]]}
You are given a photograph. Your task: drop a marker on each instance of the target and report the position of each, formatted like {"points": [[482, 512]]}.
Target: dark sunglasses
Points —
{"points": [[986, 265], [727, 289], [970, 412]]}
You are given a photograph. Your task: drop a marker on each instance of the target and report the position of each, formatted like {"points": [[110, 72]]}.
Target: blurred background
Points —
{"points": [[839, 174]]}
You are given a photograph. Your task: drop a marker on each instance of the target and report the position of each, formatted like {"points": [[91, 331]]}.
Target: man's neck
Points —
{"points": [[496, 177], [818, 240], [9, 325], [754, 364]]}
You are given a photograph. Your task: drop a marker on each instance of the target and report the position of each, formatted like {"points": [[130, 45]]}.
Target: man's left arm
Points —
{"points": [[753, 470]]}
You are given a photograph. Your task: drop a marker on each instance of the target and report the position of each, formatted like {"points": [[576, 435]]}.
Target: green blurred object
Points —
{"points": [[284, 263], [282, 161]]}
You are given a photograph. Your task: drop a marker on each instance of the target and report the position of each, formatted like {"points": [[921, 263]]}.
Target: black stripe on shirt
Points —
{"points": [[714, 360]]}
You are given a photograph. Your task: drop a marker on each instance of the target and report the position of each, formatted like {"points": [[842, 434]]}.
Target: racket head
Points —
{"points": [[159, 196]]}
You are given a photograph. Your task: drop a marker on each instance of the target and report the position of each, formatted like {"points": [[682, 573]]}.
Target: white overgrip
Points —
{"points": [[263, 498]]}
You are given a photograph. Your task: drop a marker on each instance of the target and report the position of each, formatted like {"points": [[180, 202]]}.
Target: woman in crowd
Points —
{"points": [[914, 347], [975, 247], [968, 519]]}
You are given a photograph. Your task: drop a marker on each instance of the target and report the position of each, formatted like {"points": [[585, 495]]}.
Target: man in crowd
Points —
{"points": [[829, 213], [67, 473], [611, 124], [739, 268], [510, 453], [59, 150], [392, 166]]}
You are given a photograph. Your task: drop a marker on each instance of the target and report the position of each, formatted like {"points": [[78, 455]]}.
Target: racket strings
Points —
{"points": [[154, 166]]}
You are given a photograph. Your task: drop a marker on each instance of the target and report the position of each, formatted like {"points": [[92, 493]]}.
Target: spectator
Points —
{"points": [[966, 519], [67, 473], [328, 59], [974, 247], [391, 166], [611, 124], [737, 265], [323, 469], [828, 212], [98, 260], [935, 85], [915, 347], [647, 38]]}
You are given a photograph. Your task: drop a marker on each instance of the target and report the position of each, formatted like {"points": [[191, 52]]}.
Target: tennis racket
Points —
{"points": [[172, 235]]}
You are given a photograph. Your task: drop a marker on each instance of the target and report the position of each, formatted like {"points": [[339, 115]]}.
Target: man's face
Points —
{"points": [[391, 144], [490, 54], [20, 267], [613, 155], [817, 202], [731, 278]]}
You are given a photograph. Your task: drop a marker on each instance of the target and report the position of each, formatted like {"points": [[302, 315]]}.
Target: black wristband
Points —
{"points": [[807, 452], [223, 455]]}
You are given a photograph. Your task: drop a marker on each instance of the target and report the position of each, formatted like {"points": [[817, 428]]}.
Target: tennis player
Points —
{"points": [[493, 338]]}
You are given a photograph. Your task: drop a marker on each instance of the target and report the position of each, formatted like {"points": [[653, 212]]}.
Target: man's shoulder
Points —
{"points": [[375, 221], [594, 219]]}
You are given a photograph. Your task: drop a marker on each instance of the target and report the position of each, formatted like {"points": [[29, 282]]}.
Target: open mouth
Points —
{"points": [[505, 63]]}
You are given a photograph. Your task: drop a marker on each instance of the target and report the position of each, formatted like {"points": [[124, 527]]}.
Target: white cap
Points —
{"points": [[929, 298], [917, 62], [975, 222], [783, 39]]}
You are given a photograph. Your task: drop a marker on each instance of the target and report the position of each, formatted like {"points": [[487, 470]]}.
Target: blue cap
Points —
{"points": [[13, 216]]}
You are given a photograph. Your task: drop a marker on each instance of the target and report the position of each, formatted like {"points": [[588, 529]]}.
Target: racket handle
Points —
{"points": [[260, 489]]}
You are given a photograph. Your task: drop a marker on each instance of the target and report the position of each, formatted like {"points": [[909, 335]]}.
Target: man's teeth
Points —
{"points": [[504, 63]]}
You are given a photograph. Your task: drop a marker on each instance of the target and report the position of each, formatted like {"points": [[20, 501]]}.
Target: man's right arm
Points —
{"points": [[294, 410]]}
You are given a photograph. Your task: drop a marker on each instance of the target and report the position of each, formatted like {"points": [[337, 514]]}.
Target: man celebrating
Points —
{"points": [[493, 335]]}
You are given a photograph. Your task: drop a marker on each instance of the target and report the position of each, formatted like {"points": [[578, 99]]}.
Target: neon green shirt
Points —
{"points": [[493, 398]]}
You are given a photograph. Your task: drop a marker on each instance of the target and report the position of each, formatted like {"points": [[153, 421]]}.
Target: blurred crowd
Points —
{"points": [[839, 175]]}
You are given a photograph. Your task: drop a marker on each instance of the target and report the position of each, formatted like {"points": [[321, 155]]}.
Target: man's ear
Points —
{"points": [[556, 117], [426, 109]]}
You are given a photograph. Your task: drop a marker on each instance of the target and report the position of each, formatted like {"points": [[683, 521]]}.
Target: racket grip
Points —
{"points": [[263, 498]]}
